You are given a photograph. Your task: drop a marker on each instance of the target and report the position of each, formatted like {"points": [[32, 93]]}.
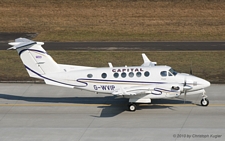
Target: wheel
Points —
{"points": [[205, 102], [132, 107]]}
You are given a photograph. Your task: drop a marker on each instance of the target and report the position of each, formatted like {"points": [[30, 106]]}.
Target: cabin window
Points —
{"points": [[138, 74], [163, 73], [89, 75], [123, 74], [104, 75], [116, 75], [146, 74], [131, 74]]}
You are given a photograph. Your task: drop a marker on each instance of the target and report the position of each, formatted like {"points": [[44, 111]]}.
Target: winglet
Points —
{"points": [[147, 62]]}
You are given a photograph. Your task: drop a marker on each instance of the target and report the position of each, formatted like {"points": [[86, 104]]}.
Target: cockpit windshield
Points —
{"points": [[173, 72]]}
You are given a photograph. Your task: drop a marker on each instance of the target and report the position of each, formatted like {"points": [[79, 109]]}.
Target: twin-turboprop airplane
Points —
{"points": [[139, 84]]}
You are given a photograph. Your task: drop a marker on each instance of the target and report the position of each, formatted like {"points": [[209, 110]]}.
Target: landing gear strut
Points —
{"points": [[132, 107], [204, 101]]}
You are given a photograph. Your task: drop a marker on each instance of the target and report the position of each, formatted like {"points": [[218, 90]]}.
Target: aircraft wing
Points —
{"points": [[147, 62]]}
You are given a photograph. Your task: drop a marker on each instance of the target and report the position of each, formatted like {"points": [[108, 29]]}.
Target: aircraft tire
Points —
{"points": [[205, 102], [132, 107]]}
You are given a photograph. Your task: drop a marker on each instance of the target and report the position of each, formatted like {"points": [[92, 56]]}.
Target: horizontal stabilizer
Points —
{"points": [[22, 42]]}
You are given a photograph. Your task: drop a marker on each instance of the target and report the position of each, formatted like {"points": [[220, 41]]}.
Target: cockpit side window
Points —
{"points": [[173, 72], [170, 74], [163, 73]]}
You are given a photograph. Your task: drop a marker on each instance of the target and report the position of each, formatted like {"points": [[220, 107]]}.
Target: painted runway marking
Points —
{"points": [[79, 105]]}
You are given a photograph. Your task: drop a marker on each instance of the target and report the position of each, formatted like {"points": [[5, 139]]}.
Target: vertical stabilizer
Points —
{"points": [[34, 57]]}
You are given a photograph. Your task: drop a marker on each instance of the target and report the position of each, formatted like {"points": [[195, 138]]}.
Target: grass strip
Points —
{"points": [[207, 65], [117, 20]]}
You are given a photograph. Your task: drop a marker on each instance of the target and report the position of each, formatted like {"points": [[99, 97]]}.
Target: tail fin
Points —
{"points": [[35, 59]]}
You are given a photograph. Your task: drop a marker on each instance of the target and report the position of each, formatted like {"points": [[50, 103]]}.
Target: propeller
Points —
{"points": [[191, 72], [185, 88], [185, 91]]}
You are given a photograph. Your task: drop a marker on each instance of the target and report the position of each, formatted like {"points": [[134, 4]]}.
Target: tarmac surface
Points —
{"points": [[5, 38], [38, 112], [130, 46]]}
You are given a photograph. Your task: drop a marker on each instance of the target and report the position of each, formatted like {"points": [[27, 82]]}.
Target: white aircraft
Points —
{"points": [[138, 83]]}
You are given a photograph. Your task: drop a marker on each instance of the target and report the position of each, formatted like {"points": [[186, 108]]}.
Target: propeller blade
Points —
{"points": [[185, 83], [184, 96], [191, 71]]}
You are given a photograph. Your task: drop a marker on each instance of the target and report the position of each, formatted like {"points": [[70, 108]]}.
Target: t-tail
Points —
{"points": [[41, 65], [35, 59]]}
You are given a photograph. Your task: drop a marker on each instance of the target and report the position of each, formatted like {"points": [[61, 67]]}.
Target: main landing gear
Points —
{"points": [[204, 101], [132, 107]]}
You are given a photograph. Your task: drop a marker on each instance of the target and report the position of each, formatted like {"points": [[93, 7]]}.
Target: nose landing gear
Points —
{"points": [[204, 101]]}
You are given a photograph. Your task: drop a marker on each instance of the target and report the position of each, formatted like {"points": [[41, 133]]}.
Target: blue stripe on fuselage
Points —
{"points": [[55, 80]]}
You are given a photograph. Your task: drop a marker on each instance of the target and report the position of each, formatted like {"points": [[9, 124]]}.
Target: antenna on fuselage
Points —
{"points": [[110, 64], [147, 62]]}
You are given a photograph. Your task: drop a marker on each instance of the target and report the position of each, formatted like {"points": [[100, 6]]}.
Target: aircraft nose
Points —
{"points": [[198, 83], [204, 83]]}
